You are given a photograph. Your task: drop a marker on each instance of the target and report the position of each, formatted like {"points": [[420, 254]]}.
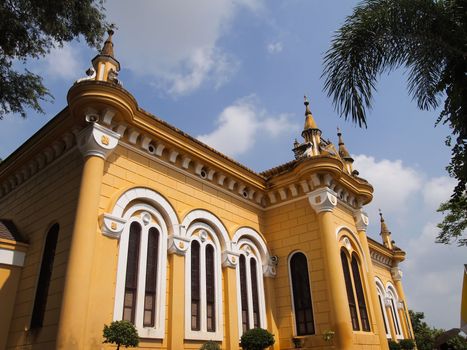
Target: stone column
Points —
{"points": [[404, 316], [177, 247], [229, 264], [95, 143], [361, 223], [270, 298], [323, 201]]}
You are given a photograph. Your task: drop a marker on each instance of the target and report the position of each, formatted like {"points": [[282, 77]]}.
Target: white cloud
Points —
{"points": [[437, 190], [275, 47], [240, 125], [61, 63], [394, 182], [175, 43]]}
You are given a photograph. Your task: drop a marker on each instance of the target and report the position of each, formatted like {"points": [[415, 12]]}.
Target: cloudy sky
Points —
{"points": [[233, 73]]}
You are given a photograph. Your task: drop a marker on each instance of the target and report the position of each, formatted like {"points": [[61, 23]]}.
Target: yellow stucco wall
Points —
{"points": [[48, 197]]}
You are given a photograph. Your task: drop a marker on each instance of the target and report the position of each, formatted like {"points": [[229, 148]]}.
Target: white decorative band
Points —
{"points": [[97, 140], [12, 257], [322, 199]]}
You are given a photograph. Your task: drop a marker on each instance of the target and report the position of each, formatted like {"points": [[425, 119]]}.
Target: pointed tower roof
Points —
{"points": [[385, 233], [108, 48], [343, 152], [106, 55], [309, 120]]}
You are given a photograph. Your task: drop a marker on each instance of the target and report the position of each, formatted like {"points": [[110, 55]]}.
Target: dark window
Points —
{"points": [[195, 286], [254, 291], [151, 278], [131, 279], [45, 274], [301, 295], [350, 292], [360, 295], [210, 290], [394, 316], [382, 312], [244, 294]]}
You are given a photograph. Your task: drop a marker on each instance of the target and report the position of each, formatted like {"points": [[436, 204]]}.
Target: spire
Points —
{"points": [[108, 48], [105, 65], [309, 121], [344, 153], [385, 233]]}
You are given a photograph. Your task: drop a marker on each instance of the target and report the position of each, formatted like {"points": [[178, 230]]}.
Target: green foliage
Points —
{"points": [[30, 29], [393, 345], [425, 336], [407, 344], [256, 339], [210, 345], [454, 224], [121, 333], [428, 39]]}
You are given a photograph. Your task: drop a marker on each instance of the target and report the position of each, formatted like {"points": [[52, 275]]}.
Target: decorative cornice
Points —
{"points": [[97, 140], [361, 220], [381, 259], [322, 199]]}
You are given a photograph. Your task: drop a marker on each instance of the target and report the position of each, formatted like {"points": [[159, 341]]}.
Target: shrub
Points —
{"points": [[393, 345], [256, 339], [407, 344], [121, 333], [210, 345]]}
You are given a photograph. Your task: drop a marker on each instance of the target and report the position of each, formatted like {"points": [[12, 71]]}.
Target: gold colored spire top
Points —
{"points": [[384, 228], [343, 152], [108, 48], [309, 121]]}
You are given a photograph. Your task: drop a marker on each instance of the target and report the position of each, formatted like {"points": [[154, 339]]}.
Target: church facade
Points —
{"points": [[109, 213]]}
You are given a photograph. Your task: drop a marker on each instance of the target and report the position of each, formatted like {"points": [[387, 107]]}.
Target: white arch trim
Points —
{"points": [[212, 221], [355, 239], [114, 222], [248, 233]]}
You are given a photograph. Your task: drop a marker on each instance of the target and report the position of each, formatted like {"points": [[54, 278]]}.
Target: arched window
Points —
{"points": [[354, 287], [45, 274], [392, 304], [140, 292], [360, 294], [301, 294], [251, 291], [380, 291], [350, 292], [203, 284]]}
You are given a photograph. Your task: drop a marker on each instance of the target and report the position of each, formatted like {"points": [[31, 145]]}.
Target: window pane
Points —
{"points": [[210, 289], [151, 278], [360, 295], [301, 295], [350, 293], [382, 312], [244, 294], [131, 279], [45, 275], [254, 291], [394, 311], [195, 286]]}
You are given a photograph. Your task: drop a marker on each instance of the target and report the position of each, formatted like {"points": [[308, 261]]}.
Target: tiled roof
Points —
{"points": [[8, 231]]}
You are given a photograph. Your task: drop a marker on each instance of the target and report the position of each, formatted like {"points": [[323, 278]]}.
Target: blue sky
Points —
{"points": [[233, 74]]}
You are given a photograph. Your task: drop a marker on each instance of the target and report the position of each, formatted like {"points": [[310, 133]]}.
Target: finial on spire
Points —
{"points": [[307, 105], [108, 48]]}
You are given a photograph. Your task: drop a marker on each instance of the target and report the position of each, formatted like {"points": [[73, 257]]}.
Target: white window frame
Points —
{"points": [[382, 295], [212, 240], [157, 222], [294, 326], [251, 252], [392, 296]]}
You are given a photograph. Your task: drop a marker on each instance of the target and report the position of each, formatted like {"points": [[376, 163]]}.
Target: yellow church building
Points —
{"points": [[110, 213]]}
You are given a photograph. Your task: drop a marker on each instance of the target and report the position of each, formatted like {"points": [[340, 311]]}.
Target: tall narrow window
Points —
{"points": [[195, 286], [45, 274], [360, 295], [303, 308], [244, 294], [254, 292], [394, 316], [131, 277], [350, 292], [383, 313], [210, 290], [151, 278]]}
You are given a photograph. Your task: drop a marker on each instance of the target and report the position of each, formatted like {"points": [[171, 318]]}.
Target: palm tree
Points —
{"points": [[429, 39]]}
